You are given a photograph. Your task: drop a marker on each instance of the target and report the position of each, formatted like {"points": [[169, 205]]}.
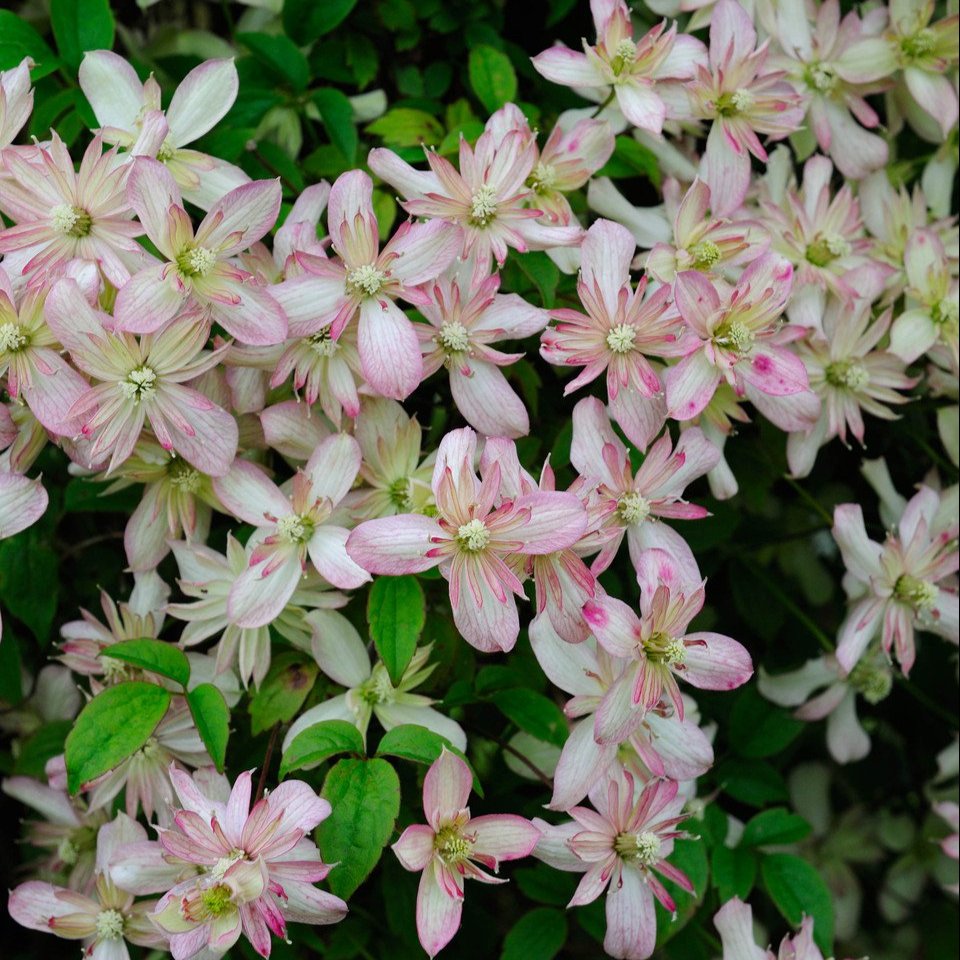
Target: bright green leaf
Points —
{"points": [[410, 741], [492, 77], [281, 55], [320, 742], [406, 127], [797, 889], [153, 655], [365, 796], [774, 826], [81, 25], [288, 681], [337, 116], [533, 712], [116, 723], [396, 612], [18, 40], [734, 871], [212, 716], [759, 728], [538, 935]]}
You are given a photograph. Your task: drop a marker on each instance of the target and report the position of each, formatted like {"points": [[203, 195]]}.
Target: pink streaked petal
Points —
{"points": [[722, 664], [438, 914], [244, 310], [22, 502], [775, 371], [414, 849], [488, 402], [631, 919], [446, 788], [690, 386], [395, 545], [149, 299], [390, 356], [504, 836], [249, 494], [256, 600], [567, 67], [328, 554], [614, 624], [424, 250], [240, 218], [556, 520]]}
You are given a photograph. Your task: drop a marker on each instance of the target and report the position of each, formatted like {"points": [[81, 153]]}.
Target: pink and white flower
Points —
{"points": [[453, 846], [16, 100], [734, 923]]}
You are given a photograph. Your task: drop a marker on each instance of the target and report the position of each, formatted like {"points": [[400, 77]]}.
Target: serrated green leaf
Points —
{"points": [[337, 116], [533, 712], [538, 935], [153, 655], [116, 723], [81, 25], [212, 716], [365, 797], [396, 612], [492, 77], [320, 742], [734, 871], [288, 681], [774, 826], [797, 889]]}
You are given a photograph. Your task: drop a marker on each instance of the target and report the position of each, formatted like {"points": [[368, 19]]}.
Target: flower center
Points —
{"points": [[483, 206], [919, 594], [451, 846], [621, 338], [633, 508], [195, 261], [918, 45], [826, 248], [662, 648], [184, 477], [644, 848], [872, 680], [322, 344], [366, 281], [453, 337], [705, 254], [401, 493], [624, 56], [945, 313], [734, 335], [732, 104], [71, 221], [67, 852], [12, 337], [109, 925], [166, 152], [140, 384], [473, 536], [847, 375], [216, 900], [225, 863], [820, 77], [543, 178], [295, 528], [378, 689]]}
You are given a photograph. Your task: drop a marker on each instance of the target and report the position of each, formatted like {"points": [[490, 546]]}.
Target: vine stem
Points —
{"points": [[271, 746], [603, 106]]}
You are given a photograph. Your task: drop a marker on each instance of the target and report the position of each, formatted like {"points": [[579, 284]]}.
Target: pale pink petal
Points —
{"points": [[249, 494], [414, 849], [390, 356], [617, 717], [205, 94], [149, 299], [488, 403], [725, 169], [732, 36], [328, 553], [22, 502], [641, 106], [241, 218], [556, 520], [256, 600], [438, 915], [631, 920], [861, 555], [333, 467], [690, 386], [582, 762], [151, 192], [487, 621], [425, 251], [38, 906], [606, 254], [400, 175], [846, 738], [734, 923], [775, 371], [253, 316], [567, 67], [504, 836], [112, 88], [614, 624], [722, 664], [446, 788], [395, 545]]}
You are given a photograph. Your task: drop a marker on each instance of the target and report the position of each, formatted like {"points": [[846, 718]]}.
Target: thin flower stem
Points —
{"points": [[603, 106], [289, 186], [811, 501], [271, 746]]}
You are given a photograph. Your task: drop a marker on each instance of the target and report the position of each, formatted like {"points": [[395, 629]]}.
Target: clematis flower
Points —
{"points": [[619, 66], [486, 198], [466, 317], [291, 529], [871, 678], [849, 375], [738, 341], [368, 281], [142, 382], [121, 104], [619, 331], [621, 847], [258, 867], [16, 100], [899, 585], [636, 501], [453, 846], [474, 538], [659, 647], [342, 656], [198, 271], [742, 97], [62, 214], [105, 924], [734, 923], [22, 503]]}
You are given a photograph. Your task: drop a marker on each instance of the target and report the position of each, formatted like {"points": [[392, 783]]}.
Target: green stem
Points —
{"points": [[811, 501], [603, 106]]}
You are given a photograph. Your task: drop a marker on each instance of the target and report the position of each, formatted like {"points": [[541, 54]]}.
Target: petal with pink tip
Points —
{"points": [[614, 624], [567, 67], [38, 906], [240, 218], [438, 914], [204, 96], [414, 849], [861, 555], [395, 545], [775, 371], [631, 920], [446, 788], [720, 664], [249, 494]]}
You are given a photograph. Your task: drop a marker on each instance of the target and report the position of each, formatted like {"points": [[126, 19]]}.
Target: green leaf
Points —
{"points": [[18, 40], [305, 20], [29, 581], [533, 712], [212, 716], [629, 159], [116, 723], [11, 689], [396, 612], [492, 77], [41, 746], [281, 55], [365, 796], [759, 728], [690, 857], [543, 884], [734, 871], [406, 127], [337, 116], [153, 655], [81, 25], [751, 781], [87, 496], [363, 59], [410, 741], [773, 826], [539, 935], [320, 742], [288, 681], [542, 272], [797, 889]]}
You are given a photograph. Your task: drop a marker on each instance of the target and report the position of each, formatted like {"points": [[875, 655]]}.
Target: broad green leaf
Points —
{"points": [[41, 746], [533, 712], [543, 884], [320, 742], [396, 612], [337, 116], [288, 681], [306, 20], [81, 25], [734, 871], [751, 781], [281, 55], [29, 581], [759, 728], [492, 77], [363, 59], [538, 935], [773, 826], [18, 40], [11, 688], [690, 857], [406, 127], [116, 723], [542, 272], [797, 889], [630, 159], [365, 796], [410, 741], [153, 655], [212, 716]]}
